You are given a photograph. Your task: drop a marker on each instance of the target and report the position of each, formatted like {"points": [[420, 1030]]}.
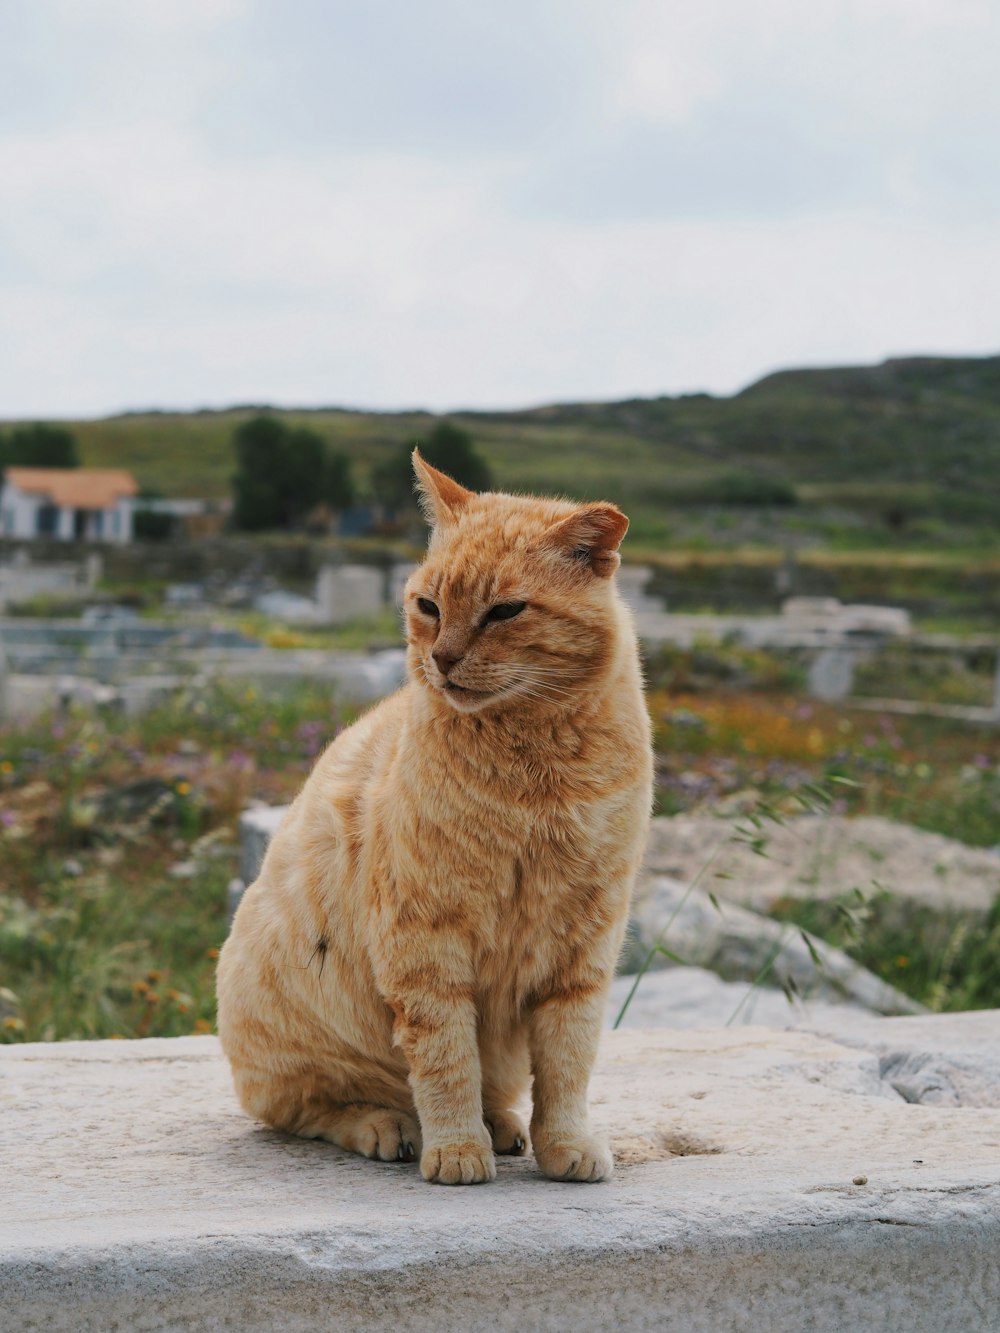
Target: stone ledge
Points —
{"points": [[138, 1196]]}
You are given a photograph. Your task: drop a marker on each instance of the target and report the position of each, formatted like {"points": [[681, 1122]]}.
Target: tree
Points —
{"points": [[450, 449], [446, 447], [338, 486], [39, 445], [282, 474]]}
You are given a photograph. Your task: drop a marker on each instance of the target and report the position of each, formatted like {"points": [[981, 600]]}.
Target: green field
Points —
{"points": [[904, 454]]}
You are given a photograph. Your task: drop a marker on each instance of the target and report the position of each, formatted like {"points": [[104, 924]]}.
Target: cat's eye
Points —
{"points": [[504, 611], [428, 607]]}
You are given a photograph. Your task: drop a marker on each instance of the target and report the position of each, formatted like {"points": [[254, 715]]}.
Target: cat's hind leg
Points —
{"points": [[376, 1121], [380, 1132]]}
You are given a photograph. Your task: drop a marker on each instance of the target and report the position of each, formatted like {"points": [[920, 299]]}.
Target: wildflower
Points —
{"points": [[6, 767], [140, 987], [212, 953], [14, 1024], [183, 788], [902, 961], [8, 818], [154, 975], [201, 1027], [922, 770]]}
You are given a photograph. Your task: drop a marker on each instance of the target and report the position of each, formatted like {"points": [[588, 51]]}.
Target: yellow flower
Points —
{"points": [[14, 1024], [212, 953], [182, 788], [201, 1027], [6, 767], [902, 961]]}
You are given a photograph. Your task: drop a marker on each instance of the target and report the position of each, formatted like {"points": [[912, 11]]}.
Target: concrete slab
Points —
{"points": [[765, 1181]]}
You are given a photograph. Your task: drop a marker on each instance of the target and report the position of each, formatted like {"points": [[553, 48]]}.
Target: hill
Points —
{"points": [[909, 446]]}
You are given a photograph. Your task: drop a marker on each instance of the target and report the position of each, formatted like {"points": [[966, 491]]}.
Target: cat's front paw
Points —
{"points": [[581, 1158], [466, 1163]]}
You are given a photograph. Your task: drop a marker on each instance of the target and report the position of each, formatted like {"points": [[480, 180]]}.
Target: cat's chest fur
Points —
{"points": [[528, 843]]}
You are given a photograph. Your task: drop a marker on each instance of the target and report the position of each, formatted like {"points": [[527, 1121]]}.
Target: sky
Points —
{"points": [[457, 203]]}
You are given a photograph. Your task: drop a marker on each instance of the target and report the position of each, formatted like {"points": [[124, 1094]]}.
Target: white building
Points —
{"points": [[68, 504]]}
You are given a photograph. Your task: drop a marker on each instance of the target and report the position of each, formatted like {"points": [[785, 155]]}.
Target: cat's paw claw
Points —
{"points": [[386, 1137], [585, 1159], [508, 1133], [466, 1163]]}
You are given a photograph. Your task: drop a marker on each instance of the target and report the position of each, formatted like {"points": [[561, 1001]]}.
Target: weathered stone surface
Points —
{"points": [[738, 944], [765, 1181], [946, 1060], [822, 856]]}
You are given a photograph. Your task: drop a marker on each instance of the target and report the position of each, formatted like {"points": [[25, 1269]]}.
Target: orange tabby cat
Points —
{"points": [[437, 920]]}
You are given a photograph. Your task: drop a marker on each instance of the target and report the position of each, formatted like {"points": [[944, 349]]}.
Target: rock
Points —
{"points": [[736, 943], [947, 1060], [258, 826], [765, 1181], [854, 618], [692, 997], [823, 856], [349, 592], [133, 800]]}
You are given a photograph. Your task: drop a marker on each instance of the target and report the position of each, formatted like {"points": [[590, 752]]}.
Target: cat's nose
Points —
{"points": [[445, 661]]}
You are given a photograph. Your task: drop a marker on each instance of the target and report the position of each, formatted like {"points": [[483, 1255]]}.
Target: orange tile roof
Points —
{"points": [[75, 487]]}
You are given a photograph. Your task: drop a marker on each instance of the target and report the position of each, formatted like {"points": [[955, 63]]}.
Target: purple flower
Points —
{"points": [[7, 818]]}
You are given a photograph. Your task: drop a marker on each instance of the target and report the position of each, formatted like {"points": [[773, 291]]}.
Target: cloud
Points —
{"points": [[452, 204]]}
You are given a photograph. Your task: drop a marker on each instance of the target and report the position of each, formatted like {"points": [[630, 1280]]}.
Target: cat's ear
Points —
{"points": [[441, 499], [592, 537]]}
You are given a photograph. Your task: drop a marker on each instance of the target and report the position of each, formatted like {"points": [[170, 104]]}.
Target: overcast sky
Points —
{"points": [[455, 202]]}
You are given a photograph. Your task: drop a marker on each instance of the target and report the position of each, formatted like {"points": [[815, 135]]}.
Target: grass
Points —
{"points": [[115, 860], [384, 630], [946, 962], [118, 836]]}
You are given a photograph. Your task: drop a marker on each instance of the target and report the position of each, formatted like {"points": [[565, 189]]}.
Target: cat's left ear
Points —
{"points": [[441, 499], [592, 536]]}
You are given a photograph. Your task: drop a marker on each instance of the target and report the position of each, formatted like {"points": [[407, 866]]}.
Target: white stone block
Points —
{"points": [[349, 592], [765, 1180]]}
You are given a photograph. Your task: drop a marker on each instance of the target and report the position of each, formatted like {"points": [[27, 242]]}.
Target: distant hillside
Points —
{"points": [[907, 445]]}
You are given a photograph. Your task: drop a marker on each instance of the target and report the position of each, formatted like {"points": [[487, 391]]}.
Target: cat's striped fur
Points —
{"points": [[436, 922]]}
